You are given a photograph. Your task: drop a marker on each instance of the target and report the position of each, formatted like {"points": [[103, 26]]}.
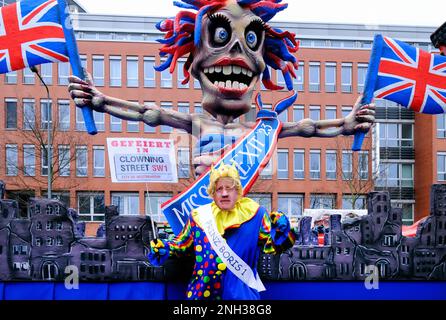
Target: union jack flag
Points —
{"points": [[407, 75], [31, 33]]}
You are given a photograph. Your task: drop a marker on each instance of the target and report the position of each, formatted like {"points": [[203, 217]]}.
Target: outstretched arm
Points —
{"points": [[85, 93], [361, 118]]}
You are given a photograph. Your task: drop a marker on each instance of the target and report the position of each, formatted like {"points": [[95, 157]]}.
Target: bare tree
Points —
{"points": [[31, 172], [353, 170]]}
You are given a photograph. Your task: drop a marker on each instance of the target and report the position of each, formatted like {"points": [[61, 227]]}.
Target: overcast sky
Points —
{"points": [[373, 12]]}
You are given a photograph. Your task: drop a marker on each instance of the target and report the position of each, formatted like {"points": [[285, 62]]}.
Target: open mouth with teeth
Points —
{"points": [[230, 77]]}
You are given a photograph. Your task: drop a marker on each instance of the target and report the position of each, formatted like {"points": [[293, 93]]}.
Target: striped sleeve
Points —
{"points": [[182, 243], [269, 246]]}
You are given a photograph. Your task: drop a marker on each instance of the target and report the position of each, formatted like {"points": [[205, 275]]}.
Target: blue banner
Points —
{"points": [[250, 154]]}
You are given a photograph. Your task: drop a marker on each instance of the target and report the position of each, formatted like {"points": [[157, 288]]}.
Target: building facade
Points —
{"points": [[120, 53]]}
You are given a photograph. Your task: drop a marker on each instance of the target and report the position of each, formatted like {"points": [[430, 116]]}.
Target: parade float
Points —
{"points": [[228, 44]]}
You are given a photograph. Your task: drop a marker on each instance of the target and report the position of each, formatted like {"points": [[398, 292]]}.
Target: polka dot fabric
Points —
{"points": [[209, 270]]}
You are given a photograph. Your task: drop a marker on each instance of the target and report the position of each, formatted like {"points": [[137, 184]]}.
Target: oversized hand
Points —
{"points": [[361, 118], [84, 93], [157, 248], [158, 252], [280, 225]]}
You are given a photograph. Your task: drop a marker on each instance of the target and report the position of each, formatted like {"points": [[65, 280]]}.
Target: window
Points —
{"points": [[149, 72], [346, 110], [291, 204], [322, 201], [362, 73], [11, 113], [350, 202], [267, 172], [147, 128], [315, 113], [363, 164], [347, 165], [46, 72], [441, 125], [408, 211], [98, 161], [99, 120], [299, 81], [81, 161], [80, 123], [98, 71], [115, 124], [330, 164], [315, 164], [44, 161], [441, 166], [84, 61], [298, 113], [389, 240], [63, 71], [180, 76], [264, 199], [11, 77], [197, 84], [11, 159], [395, 175], [127, 203], [282, 164], [183, 163], [198, 108], [115, 71], [132, 126], [29, 160], [330, 112], [395, 135], [346, 77], [280, 79], [283, 116], [153, 203], [91, 206], [28, 76], [330, 77], [64, 160], [46, 114], [166, 77], [262, 87], [168, 107], [299, 161], [132, 72], [315, 77], [64, 114], [29, 114]]}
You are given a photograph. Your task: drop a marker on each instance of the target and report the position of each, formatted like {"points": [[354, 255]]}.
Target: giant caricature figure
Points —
{"points": [[228, 44]]}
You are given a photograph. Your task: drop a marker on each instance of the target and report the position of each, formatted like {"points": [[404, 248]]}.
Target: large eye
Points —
{"points": [[251, 39], [254, 34], [221, 35], [219, 30]]}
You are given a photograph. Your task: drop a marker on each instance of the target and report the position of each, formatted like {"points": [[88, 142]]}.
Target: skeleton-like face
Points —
{"points": [[229, 61]]}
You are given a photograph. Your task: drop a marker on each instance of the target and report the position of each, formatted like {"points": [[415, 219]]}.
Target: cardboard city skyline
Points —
{"points": [[42, 246]]}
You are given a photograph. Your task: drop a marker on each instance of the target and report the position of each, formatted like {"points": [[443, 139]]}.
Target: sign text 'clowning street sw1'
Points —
{"points": [[142, 160]]}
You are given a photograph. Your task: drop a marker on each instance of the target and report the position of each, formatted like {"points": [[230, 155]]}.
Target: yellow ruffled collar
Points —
{"points": [[243, 211]]}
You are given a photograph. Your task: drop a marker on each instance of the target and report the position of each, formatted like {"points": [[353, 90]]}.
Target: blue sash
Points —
{"points": [[251, 153]]}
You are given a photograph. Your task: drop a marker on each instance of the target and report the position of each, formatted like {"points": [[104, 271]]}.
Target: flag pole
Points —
{"points": [[75, 60], [369, 85]]}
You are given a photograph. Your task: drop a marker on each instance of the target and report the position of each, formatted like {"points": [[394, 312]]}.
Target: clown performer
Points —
{"points": [[228, 44], [228, 233]]}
